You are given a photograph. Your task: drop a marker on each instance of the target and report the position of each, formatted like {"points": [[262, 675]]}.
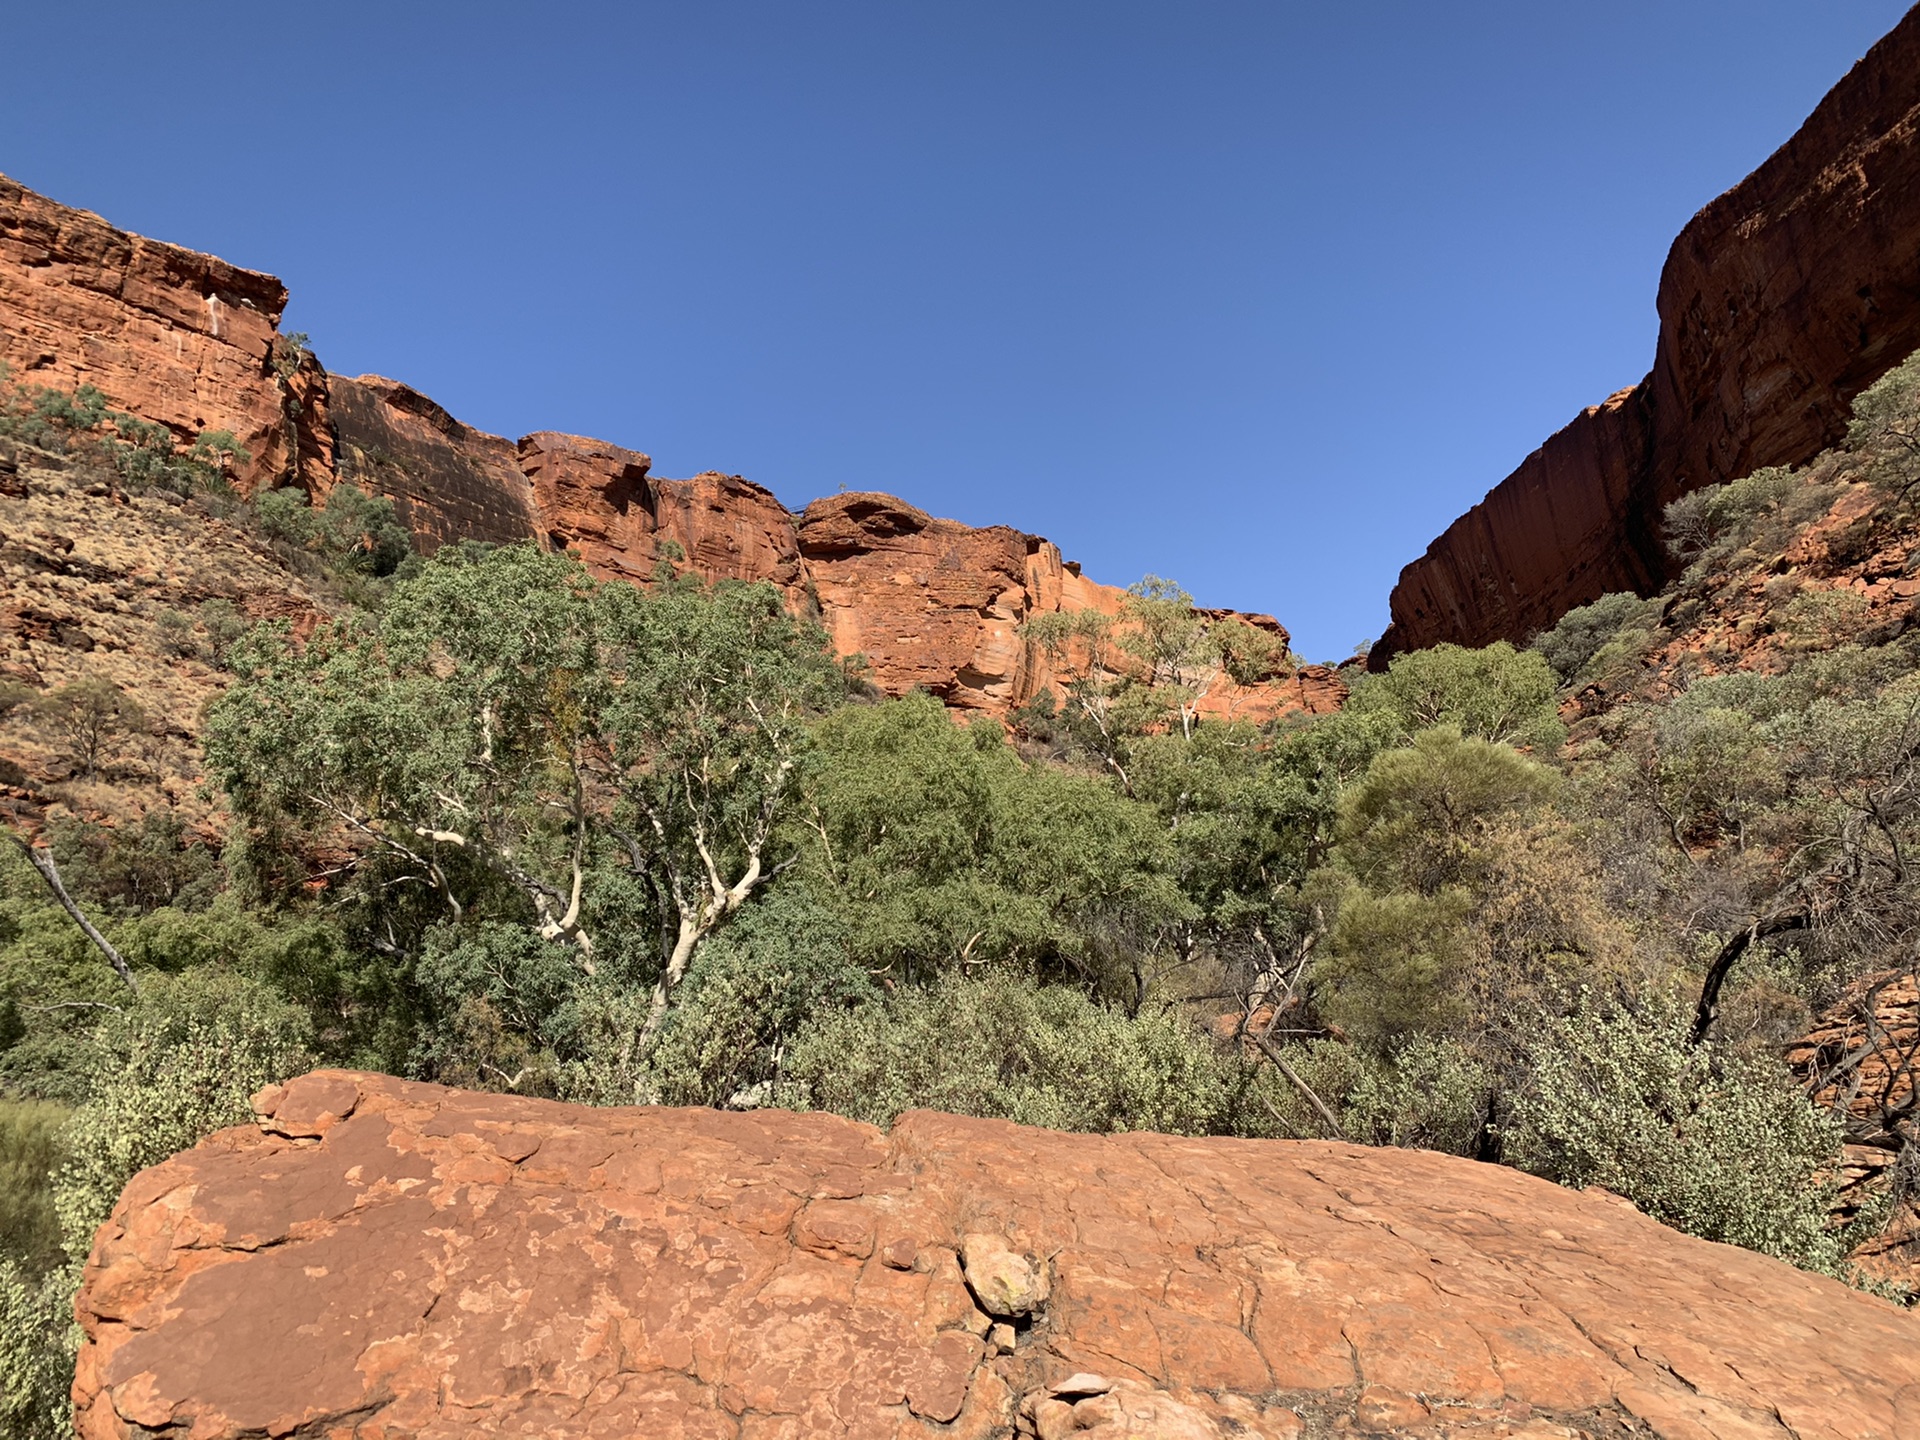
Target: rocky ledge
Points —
{"points": [[379, 1259]]}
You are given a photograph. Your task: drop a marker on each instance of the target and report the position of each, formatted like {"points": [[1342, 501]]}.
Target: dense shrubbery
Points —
{"points": [[131, 453], [509, 828], [1003, 1046], [1713, 1140]]}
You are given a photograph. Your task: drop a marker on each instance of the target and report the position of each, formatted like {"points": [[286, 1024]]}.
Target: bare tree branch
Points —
{"points": [[42, 861]]}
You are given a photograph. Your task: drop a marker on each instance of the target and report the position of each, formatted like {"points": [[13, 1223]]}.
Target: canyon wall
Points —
{"points": [[377, 1257], [1779, 302], [168, 334], [188, 340]]}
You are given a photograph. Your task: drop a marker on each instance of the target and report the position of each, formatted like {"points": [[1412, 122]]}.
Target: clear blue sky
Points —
{"points": [[1258, 296]]}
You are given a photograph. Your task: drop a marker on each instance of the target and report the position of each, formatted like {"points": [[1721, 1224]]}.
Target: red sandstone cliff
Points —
{"points": [[1779, 302], [182, 338], [168, 334]]}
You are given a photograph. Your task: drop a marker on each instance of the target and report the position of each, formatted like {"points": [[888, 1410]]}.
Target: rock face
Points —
{"points": [[939, 605], [168, 334], [600, 500], [1780, 302], [1862, 1061], [387, 1259], [448, 480], [188, 340]]}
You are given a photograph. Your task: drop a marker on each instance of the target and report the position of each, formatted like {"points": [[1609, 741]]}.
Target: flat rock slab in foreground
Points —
{"points": [[386, 1259]]}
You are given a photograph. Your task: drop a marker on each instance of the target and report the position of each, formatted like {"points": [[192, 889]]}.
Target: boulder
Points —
{"points": [[383, 1259]]}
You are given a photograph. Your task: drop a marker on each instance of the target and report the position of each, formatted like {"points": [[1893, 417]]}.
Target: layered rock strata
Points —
{"points": [[1779, 303], [378, 1258], [168, 334], [182, 338]]}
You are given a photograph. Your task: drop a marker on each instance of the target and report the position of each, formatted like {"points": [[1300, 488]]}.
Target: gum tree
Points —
{"points": [[509, 735]]}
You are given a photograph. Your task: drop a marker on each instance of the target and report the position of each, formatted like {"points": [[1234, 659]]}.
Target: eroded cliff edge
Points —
{"points": [[1780, 301], [189, 341]]}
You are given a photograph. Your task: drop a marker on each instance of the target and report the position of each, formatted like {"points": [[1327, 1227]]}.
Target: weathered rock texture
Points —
{"points": [[387, 1259], [600, 500], [186, 339], [129, 589], [1862, 1061], [1780, 302], [448, 480], [936, 604], [168, 334]]}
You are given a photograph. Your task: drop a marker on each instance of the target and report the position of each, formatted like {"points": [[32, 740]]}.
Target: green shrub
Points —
{"points": [[225, 626], [29, 1153], [753, 986], [38, 1342], [286, 516], [1497, 694], [1715, 1142], [136, 865], [1395, 963], [1006, 1047], [939, 847], [1420, 817], [175, 632], [494, 998], [1584, 631], [178, 1065], [1886, 428], [1431, 1095], [355, 531]]}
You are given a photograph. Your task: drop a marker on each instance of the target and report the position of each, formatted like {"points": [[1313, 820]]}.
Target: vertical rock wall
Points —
{"points": [[188, 340], [168, 334], [1779, 303]]}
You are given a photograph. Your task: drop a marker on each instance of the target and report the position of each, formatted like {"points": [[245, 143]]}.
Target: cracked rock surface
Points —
{"points": [[381, 1259]]}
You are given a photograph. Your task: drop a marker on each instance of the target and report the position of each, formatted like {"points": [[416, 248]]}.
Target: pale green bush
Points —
{"points": [[1586, 630], [1005, 1047], [173, 1069], [1718, 1143], [38, 1342], [1432, 1095]]}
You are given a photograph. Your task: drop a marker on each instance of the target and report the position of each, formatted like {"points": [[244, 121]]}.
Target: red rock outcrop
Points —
{"points": [[930, 603], [600, 500], [938, 605], [449, 481], [1862, 1061], [386, 1259], [1779, 303], [190, 341], [168, 334]]}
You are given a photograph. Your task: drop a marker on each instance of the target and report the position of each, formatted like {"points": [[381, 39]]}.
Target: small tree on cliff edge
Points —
{"points": [[510, 736], [1147, 668]]}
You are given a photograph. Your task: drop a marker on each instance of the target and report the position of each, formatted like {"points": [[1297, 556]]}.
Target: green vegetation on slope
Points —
{"points": [[507, 827]]}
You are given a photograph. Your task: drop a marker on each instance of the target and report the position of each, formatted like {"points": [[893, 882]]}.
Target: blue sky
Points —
{"points": [[1256, 296]]}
